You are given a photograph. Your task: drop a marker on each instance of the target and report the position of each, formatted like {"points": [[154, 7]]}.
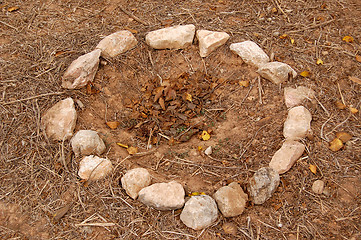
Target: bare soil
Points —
{"points": [[41, 38]]}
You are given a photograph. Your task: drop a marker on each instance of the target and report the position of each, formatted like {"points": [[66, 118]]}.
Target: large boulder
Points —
{"points": [[295, 96], [87, 142], [117, 43], [135, 180], [94, 168], [250, 53], [263, 184], [277, 72], [210, 41], [297, 124]]}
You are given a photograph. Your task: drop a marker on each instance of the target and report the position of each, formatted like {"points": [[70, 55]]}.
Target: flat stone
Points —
{"points": [[318, 186], [94, 168], [210, 41], [117, 43], [263, 184], [199, 212], [135, 180], [250, 53], [297, 124], [59, 121], [231, 200], [87, 142], [286, 156], [277, 72], [82, 70], [163, 196], [295, 96], [177, 37]]}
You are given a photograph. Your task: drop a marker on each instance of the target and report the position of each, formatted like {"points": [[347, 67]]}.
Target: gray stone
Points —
{"points": [[82, 70], [295, 96], [250, 53], [94, 168], [263, 184], [318, 186], [210, 41], [177, 37], [59, 121], [135, 180], [117, 43], [286, 156], [297, 124], [163, 196], [231, 200], [87, 142], [276, 72], [199, 212]]}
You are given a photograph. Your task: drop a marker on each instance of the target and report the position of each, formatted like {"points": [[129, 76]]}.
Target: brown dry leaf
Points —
{"points": [[244, 83], [167, 22], [347, 39], [283, 36], [113, 125], [13, 9], [58, 53], [91, 89], [61, 212], [305, 74], [123, 145], [131, 30], [313, 168], [355, 79], [205, 136], [159, 92], [336, 144], [358, 58], [161, 103], [340, 105], [343, 136], [132, 150], [353, 110], [230, 228]]}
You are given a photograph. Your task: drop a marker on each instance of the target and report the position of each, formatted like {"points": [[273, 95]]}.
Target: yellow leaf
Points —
{"points": [[196, 194], [305, 74], [188, 97], [131, 30], [343, 136], [283, 36], [319, 61], [336, 144], [123, 145], [132, 150], [358, 58], [353, 110], [112, 125], [348, 39], [244, 83], [13, 9], [200, 148], [274, 10], [292, 40], [313, 168], [205, 136]]}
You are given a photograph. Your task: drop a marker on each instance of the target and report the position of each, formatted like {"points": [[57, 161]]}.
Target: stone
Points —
{"points": [[263, 184], [199, 212], [297, 124], [117, 43], [250, 53], [208, 151], [87, 142], [177, 37], [163, 196], [94, 168], [295, 96], [286, 156], [82, 70], [210, 41], [318, 186], [276, 72], [231, 200], [135, 180], [59, 121]]}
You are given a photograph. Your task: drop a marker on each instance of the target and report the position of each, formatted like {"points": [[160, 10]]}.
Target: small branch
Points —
{"points": [[132, 16], [33, 97], [311, 27], [283, 12], [10, 26]]}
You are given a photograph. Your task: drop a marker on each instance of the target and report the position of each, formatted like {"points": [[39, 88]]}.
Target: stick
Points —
{"points": [[33, 97], [310, 27], [6, 24], [283, 12], [132, 16]]}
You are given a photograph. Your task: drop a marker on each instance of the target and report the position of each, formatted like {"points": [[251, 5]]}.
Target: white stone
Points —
{"points": [[94, 168], [177, 37], [295, 96], [318, 186], [277, 72], [199, 212], [231, 200], [210, 41], [82, 70], [286, 156], [87, 142], [163, 196], [263, 184], [117, 43], [59, 121], [250, 53], [135, 180], [208, 151], [297, 124]]}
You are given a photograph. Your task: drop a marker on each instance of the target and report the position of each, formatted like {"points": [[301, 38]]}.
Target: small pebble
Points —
{"points": [[208, 151], [318, 186], [276, 34]]}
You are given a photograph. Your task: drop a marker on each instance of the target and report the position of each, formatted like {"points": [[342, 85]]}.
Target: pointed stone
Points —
{"points": [[135, 180], [286, 156], [82, 70], [87, 142], [250, 53], [210, 41], [297, 124], [295, 96], [117, 43], [177, 37], [277, 72], [94, 168], [263, 184], [59, 121]]}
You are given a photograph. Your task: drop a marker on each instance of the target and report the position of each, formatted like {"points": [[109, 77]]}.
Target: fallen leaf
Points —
{"points": [[274, 10], [305, 74], [132, 150], [13, 9], [196, 194], [358, 58], [343, 136], [112, 125], [355, 79], [161, 103], [205, 136], [200, 148], [61, 212], [123, 145], [353, 110], [244, 83], [58, 53], [167, 22], [319, 61], [91, 89], [340, 105], [188, 97], [283, 36], [292, 40], [313, 168], [336, 144], [348, 39], [131, 30]]}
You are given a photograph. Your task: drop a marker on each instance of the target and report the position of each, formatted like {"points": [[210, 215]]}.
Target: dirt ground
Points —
{"points": [[41, 38]]}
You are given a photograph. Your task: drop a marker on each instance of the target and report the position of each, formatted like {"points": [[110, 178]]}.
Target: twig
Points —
{"points": [[33, 97], [10, 26], [339, 90], [283, 12], [95, 224], [132, 15], [310, 27], [260, 90]]}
